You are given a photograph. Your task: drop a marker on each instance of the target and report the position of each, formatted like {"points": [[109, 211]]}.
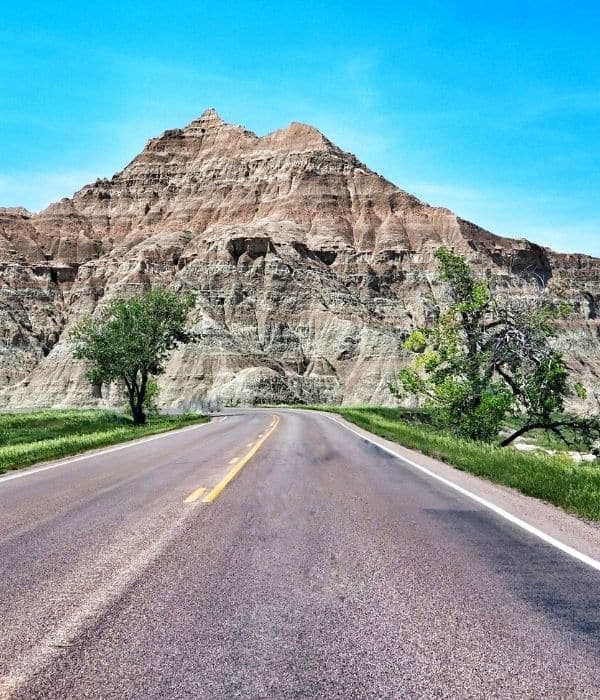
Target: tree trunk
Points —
{"points": [[137, 396], [518, 433], [139, 417], [137, 409]]}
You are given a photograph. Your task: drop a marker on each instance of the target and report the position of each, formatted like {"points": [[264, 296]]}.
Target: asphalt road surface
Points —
{"points": [[326, 569]]}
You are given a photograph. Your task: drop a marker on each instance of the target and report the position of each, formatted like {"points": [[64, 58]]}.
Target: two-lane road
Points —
{"points": [[327, 568]]}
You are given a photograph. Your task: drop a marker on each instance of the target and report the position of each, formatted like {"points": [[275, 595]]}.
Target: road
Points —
{"points": [[326, 569]]}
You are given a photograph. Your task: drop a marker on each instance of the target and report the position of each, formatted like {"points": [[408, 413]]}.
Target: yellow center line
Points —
{"points": [[216, 491], [195, 495]]}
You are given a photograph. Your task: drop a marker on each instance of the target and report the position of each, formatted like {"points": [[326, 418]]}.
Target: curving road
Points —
{"points": [[326, 569]]}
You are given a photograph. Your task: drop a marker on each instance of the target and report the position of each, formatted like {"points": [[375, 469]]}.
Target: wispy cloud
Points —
{"points": [[561, 102], [574, 237], [440, 193], [35, 190], [547, 218]]}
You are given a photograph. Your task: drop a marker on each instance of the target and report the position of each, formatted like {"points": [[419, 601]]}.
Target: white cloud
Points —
{"points": [[35, 190], [545, 218], [574, 237]]}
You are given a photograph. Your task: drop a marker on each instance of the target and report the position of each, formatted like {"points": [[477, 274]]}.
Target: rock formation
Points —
{"points": [[309, 270]]}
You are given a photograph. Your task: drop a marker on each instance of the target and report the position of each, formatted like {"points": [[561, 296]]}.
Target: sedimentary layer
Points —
{"points": [[309, 270]]}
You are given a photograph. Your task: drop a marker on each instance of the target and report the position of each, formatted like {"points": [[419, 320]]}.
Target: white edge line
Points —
{"points": [[571, 551], [97, 453]]}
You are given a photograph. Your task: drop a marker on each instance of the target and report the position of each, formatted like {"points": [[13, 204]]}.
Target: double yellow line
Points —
{"points": [[234, 471]]}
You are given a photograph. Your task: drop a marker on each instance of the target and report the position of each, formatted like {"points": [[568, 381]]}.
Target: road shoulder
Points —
{"points": [[569, 529], [129, 442]]}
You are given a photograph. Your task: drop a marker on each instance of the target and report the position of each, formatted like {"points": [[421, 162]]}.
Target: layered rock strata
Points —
{"points": [[309, 270]]}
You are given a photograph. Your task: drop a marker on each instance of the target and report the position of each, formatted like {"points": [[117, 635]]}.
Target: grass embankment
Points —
{"points": [[26, 438], [557, 479]]}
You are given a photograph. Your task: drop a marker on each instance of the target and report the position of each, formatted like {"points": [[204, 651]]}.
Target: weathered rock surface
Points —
{"points": [[309, 270]]}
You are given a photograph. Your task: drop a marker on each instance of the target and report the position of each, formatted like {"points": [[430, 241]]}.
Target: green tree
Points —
{"points": [[483, 358], [129, 341]]}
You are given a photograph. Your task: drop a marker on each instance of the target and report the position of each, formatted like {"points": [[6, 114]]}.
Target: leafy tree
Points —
{"points": [[130, 340], [482, 359]]}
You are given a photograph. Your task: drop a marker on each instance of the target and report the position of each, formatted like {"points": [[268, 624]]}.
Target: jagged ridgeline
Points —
{"points": [[309, 270]]}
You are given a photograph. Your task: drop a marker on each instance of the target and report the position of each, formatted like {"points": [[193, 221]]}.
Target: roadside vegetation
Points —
{"points": [[485, 357], [27, 438], [128, 342], [553, 478], [486, 372]]}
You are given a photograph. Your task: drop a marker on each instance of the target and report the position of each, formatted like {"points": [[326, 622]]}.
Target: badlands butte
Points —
{"points": [[309, 270]]}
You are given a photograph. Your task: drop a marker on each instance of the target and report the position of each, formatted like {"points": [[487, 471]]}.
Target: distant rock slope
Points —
{"points": [[309, 270]]}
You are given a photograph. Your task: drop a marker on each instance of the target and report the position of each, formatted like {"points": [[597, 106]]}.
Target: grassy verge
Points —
{"points": [[27, 438], [557, 479]]}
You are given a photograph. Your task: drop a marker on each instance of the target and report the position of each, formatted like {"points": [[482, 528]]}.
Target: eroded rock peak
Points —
{"points": [[309, 270]]}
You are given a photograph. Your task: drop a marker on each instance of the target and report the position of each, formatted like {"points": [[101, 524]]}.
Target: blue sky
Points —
{"points": [[491, 109]]}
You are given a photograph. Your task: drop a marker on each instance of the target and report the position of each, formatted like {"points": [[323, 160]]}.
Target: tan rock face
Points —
{"points": [[309, 270]]}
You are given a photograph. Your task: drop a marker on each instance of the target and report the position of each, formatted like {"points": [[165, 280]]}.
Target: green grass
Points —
{"points": [[27, 438], [557, 479]]}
